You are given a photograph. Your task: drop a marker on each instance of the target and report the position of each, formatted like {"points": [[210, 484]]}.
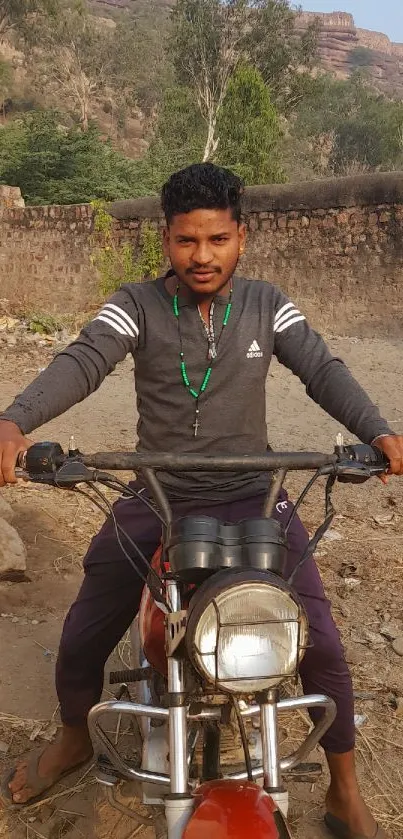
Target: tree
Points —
{"points": [[55, 165], [206, 47], [346, 126], [211, 37], [71, 58], [279, 50], [250, 141], [179, 136]]}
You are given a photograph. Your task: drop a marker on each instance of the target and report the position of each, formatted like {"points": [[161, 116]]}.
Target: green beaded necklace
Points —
{"points": [[196, 394]]}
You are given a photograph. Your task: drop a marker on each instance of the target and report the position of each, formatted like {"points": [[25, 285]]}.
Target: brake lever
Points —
{"points": [[359, 463]]}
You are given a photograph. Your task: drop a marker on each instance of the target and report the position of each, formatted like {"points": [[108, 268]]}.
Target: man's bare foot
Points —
{"points": [[73, 748], [350, 807]]}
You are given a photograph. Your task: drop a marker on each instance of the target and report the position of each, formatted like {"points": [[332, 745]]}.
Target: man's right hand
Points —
{"points": [[12, 443]]}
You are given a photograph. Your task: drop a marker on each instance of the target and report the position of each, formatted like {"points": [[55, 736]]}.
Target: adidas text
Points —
{"points": [[254, 351]]}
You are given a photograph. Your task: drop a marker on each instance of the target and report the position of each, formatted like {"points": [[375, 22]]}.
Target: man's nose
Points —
{"points": [[203, 253]]}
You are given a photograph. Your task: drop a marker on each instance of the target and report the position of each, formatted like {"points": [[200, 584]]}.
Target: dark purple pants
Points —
{"points": [[110, 595]]}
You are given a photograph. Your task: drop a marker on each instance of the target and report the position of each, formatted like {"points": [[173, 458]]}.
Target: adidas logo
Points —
{"points": [[254, 351]]}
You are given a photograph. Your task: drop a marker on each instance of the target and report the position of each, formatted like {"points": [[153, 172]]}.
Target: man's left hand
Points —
{"points": [[392, 447]]}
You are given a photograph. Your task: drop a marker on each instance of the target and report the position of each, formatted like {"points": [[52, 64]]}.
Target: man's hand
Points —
{"points": [[392, 447], [12, 442]]}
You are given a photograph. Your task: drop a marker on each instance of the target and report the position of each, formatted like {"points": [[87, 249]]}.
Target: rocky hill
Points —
{"points": [[343, 47]]}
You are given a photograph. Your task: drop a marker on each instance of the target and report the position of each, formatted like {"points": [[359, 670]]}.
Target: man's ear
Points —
{"points": [[242, 238]]}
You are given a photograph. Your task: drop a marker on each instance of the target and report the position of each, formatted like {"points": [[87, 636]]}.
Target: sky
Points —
{"points": [[385, 16]]}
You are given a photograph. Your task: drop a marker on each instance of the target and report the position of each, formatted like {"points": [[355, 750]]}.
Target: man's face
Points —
{"points": [[204, 248]]}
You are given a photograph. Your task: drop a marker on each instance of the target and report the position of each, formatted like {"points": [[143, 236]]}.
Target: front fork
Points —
{"points": [[179, 804], [269, 726]]}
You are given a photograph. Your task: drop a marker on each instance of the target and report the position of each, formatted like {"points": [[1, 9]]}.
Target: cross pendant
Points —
{"points": [[196, 425]]}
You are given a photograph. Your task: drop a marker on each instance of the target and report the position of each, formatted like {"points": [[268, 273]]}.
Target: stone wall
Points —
{"points": [[45, 259], [335, 246]]}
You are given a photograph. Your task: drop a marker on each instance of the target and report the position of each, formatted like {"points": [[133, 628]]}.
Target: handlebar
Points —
{"points": [[171, 462], [48, 460], [46, 463]]}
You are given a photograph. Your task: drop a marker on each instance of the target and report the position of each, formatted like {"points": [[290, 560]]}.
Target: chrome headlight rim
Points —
{"points": [[222, 582]]}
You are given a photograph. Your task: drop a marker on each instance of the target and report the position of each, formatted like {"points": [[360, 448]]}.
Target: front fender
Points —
{"points": [[232, 810]]}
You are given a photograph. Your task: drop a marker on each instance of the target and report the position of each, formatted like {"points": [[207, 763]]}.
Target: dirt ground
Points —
{"points": [[362, 567]]}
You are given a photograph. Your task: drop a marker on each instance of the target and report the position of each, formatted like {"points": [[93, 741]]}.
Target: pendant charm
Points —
{"points": [[196, 423]]}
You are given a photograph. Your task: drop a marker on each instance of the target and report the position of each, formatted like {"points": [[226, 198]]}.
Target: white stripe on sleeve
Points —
{"points": [[290, 314], [289, 323], [115, 326], [124, 315], [282, 310], [117, 319]]}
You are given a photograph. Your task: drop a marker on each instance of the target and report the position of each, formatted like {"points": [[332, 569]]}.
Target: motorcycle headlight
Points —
{"points": [[246, 631]]}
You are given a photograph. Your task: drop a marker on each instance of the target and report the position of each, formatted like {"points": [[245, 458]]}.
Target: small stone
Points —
{"points": [[351, 582], [332, 536], [398, 645], [35, 623], [389, 632], [4, 747]]}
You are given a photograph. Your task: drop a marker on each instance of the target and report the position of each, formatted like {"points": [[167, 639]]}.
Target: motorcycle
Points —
{"points": [[219, 632]]}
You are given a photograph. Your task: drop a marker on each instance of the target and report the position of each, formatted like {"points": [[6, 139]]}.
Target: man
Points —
{"points": [[202, 338]]}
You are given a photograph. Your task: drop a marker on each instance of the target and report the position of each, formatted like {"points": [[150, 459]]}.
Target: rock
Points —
{"points": [[360, 720], [365, 636], [385, 521], [6, 511], [398, 645], [389, 632], [13, 557], [332, 536]]}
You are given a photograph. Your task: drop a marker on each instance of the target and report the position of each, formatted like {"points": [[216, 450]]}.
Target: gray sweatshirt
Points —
{"points": [[139, 319]]}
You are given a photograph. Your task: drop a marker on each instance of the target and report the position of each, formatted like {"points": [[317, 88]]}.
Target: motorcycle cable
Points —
{"points": [[244, 738], [155, 588], [132, 493], [322, 529], [301, 498]]}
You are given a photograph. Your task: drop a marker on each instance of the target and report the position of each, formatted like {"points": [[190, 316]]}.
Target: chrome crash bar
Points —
{"points": [[103, 745]]}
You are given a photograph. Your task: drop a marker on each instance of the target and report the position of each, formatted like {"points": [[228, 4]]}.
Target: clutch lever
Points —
{"points": [[45, 463]]}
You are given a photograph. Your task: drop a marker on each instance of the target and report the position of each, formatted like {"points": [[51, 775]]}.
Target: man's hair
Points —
{"points": [[202, 186]]}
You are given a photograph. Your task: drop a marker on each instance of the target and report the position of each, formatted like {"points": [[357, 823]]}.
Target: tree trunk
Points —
{"points": [[212, 141]]}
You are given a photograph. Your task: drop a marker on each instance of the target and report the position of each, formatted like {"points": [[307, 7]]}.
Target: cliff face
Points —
{"points": [[343, 48]]}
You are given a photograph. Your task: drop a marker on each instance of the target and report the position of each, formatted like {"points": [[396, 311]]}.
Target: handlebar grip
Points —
{"points": [[382, 461], [22, 460]]}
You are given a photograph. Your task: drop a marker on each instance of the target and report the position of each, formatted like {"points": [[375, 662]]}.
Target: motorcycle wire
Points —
{"points": [[244, 738], [152, 580]]}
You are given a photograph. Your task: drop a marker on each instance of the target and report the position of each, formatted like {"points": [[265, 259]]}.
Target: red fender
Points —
{"points": [[232, 810], [152, 625]]}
